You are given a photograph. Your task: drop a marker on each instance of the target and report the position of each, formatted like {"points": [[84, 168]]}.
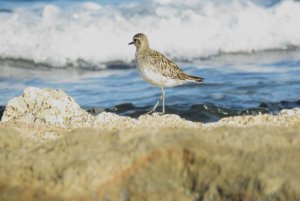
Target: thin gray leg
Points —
{"points": [[163, 100], [155, 106]]}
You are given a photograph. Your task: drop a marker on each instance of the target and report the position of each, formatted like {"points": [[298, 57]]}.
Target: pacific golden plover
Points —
{"points": [[157, 69]]}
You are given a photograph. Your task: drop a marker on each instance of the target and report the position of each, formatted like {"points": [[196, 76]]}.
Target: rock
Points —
{"points": [[154, 157], [95, 111], [290, 112], [54, 107], [168, 120], [222, 163], [2, 108], [289, 117], [49, 106], [110, 121]]}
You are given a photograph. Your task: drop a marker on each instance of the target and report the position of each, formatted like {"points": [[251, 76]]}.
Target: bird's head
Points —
{"points": [[140, 41]]}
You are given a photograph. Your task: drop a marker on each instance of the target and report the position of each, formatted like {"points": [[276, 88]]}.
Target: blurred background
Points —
{"points": [[247, 52]]}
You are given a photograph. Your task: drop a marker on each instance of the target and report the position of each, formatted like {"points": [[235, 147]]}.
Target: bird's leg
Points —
{"points": [[163, 100], [162, 97], [155, 106]]}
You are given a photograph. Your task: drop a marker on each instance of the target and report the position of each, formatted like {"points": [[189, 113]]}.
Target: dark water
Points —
{"points": [[236, 84]]}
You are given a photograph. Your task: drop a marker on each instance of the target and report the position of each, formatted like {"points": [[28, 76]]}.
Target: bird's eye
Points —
{"points": [[134, 40]]}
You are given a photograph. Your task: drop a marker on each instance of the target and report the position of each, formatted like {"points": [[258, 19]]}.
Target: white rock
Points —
{"points": [[49, 106], [113, 121], [290, 112]]}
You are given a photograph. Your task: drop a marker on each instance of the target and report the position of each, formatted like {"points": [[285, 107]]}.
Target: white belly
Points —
{"points": [[157, 79]]}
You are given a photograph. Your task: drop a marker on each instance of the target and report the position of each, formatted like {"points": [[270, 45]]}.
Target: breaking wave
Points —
{"points": [[91, 35]]}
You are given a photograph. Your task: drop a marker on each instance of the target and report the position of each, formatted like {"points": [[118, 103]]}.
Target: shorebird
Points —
{"points": [[157, 69]]}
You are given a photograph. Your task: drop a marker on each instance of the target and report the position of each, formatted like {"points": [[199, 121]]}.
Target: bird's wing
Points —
{"points": [[165, 66]]}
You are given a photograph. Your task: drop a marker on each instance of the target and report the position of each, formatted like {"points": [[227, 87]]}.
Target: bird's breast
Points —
{"points": [[154, 76]]}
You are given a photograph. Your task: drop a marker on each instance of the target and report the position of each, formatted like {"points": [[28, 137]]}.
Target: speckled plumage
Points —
{"points": [[154, 63], [165, 73], [156, 68]]}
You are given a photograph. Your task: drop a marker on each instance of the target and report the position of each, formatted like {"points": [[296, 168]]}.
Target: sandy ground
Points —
{"points": [[153, 158]]}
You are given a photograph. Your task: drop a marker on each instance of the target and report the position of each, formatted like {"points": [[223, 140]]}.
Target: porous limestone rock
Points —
{"points": [[286, 117], [49, 106], [251, 163], [110, 121], [56, 108], [157, 120], [290, 112]]}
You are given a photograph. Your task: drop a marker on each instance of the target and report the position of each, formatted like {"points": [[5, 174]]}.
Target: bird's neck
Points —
{"points": [[143, 46], [142, 49]]}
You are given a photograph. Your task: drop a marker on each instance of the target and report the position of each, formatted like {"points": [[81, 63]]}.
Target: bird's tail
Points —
{"points": [[194, 78]]}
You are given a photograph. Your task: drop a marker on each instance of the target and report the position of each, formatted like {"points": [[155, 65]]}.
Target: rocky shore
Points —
{"points": [[51, 149]]}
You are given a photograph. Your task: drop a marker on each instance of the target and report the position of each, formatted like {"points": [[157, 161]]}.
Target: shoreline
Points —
{"points": [[201, 113], [50, 108]]}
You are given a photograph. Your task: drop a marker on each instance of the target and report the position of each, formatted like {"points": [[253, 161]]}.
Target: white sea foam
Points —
{"points": [[96, 33]]}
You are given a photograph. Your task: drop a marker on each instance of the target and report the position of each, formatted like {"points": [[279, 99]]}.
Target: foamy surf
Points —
{"points": [[90, 35]]}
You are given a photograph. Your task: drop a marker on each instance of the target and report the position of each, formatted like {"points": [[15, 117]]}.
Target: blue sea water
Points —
{"points": [[247, 52]]}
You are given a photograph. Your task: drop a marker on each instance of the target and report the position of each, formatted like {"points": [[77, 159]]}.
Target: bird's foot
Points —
{"points": [[153, 109], [153, 113], [159, 113], [150, 112]]}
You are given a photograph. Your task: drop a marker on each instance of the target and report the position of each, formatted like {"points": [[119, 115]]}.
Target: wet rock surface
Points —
{"points": [[2, 108]]}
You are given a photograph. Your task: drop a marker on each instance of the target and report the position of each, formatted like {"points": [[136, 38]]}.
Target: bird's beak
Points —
{"points": [[131, 43]]}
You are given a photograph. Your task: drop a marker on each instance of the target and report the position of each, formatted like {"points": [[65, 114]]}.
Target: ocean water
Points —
{"points": [[248, 52]]}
